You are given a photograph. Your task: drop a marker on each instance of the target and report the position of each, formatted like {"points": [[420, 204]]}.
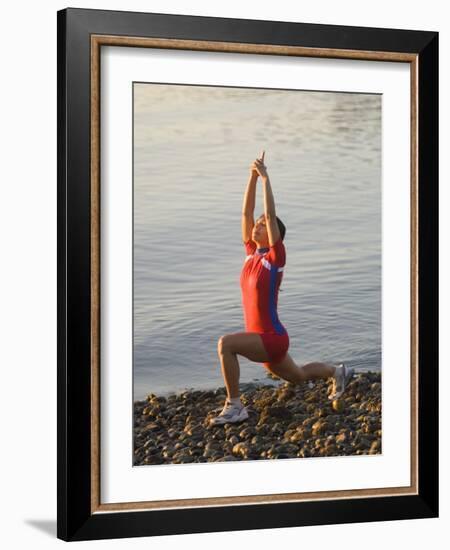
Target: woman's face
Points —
{"points": [[259, 232]]}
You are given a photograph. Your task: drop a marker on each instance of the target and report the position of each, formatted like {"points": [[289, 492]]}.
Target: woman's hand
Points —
{"points": [[258, 168], [253, 171]]}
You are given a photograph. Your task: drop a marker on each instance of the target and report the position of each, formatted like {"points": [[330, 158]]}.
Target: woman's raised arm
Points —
{"points": [[248, 206], [273, 231]]}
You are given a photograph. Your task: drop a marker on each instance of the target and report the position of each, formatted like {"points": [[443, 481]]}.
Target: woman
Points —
{"points": [[265, 339]]}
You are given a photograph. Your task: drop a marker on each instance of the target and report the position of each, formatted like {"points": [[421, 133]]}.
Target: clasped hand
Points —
{"points": [[258, 168]]}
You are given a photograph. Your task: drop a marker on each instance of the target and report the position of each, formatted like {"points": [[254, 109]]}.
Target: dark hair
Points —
{"points": [[282, 228]]}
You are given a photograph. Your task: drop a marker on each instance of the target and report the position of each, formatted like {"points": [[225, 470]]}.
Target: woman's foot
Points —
{"points": [[231, 412], [341, 378]]}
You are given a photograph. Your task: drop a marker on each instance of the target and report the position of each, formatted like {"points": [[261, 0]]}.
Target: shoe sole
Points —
{"points": [[349, 372], [219, 421]]}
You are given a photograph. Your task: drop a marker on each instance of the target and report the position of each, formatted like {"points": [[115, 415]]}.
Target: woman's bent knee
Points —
{"points": [[287, 370], [222, 344]]}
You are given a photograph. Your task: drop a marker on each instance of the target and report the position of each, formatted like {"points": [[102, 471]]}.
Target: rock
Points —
{"points": [[277, 429], [338, 405], [304, 453], [184, 459], [210, 453], [282, 413], [368, 427], [328, 450], [151, 427], [312, 397], [194, 429], [319, 427], [257, 440], [288, 434], [196, 451], [218, 436], [262, 429], [247, 432], [295, 425], [308, 422], [211, 445], [152, 451], [154, 460], [168, 452], [286, 394], [241, 449], [362, 443], [300, 435], [226, 458], [172, 433], [288, 449]]}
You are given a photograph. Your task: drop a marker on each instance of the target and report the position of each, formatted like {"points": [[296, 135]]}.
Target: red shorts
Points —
{"points": [[276, 345]]}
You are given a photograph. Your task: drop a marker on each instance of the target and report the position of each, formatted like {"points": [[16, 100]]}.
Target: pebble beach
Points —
{"points": [[285, 421]]}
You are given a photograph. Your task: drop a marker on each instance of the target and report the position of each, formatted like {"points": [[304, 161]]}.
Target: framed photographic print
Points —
{"points": [[247, 274]]}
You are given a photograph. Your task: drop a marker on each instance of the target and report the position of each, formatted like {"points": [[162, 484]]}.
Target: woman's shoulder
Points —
{"points": [[277, 253]]}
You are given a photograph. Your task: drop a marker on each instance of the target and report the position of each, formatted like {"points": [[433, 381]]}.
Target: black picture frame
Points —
{"points": [[75, 477]]}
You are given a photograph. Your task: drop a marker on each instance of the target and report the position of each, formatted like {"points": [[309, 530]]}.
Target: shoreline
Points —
{"points": [[285, 421], [265, 378]]}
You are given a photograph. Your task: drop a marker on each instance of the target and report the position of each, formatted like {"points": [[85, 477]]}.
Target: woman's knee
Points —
{"points": [[277, 370], [287, 370], [223, 344]]}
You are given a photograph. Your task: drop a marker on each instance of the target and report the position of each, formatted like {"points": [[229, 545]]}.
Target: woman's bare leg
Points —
{"points": [[230, 371], [290, 371], [248, 344]]}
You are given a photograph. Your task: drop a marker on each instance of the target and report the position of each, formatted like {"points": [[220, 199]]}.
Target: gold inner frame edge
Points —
{"points": [[268, 49]]}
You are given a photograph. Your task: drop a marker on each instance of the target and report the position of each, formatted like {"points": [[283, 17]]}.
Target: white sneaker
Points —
{"points": [[341, 378], [230, 413]]}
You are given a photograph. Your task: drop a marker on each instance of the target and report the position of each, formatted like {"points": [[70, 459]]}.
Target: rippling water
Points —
{"points": [[192, 149]]}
